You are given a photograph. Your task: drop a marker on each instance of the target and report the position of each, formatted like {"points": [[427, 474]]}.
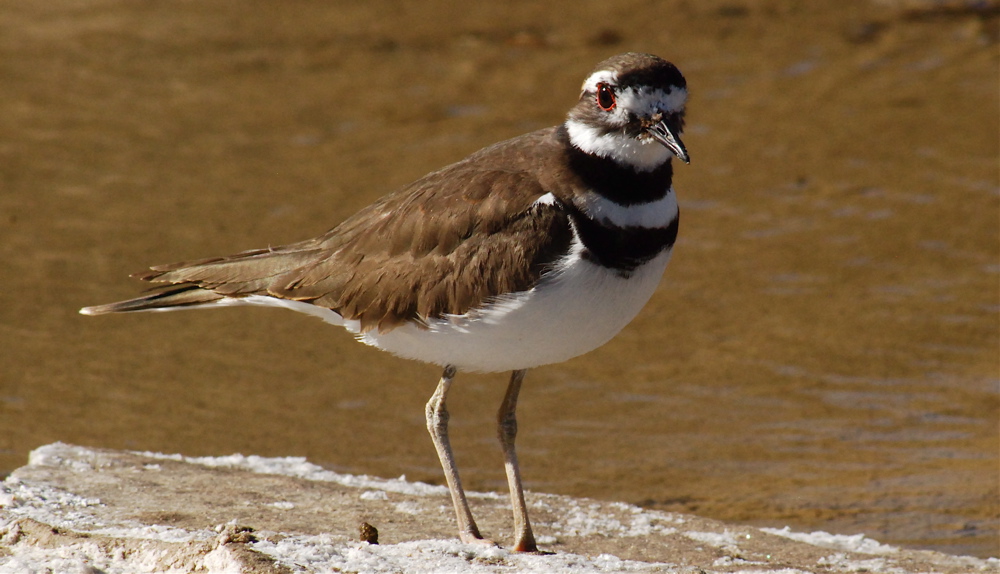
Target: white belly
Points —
{"points": [[578, 308]]}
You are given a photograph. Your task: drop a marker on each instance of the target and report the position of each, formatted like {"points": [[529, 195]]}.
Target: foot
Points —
{"points": [[525, 548], [528, 546]]}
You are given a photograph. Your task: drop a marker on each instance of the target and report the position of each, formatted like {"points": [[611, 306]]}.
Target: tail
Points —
{"points": [[166, 299], [217, 280]]}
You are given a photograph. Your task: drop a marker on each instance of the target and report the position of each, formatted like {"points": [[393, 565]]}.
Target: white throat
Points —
{"points": [[640, 155]]}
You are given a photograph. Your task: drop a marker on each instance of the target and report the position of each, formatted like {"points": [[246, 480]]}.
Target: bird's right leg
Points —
{"points": [[437, 426]]}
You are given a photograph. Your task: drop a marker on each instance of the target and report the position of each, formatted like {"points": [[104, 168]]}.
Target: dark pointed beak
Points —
{"points": [[667, 131]]}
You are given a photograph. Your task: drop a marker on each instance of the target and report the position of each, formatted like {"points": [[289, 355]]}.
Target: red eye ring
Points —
{"points": [[605, 97]]}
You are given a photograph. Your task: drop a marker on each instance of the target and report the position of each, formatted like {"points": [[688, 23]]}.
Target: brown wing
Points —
{"points": [[416, 254]]}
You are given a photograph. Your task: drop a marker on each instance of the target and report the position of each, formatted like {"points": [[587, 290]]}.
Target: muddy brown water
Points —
{"points": [[822, 353]]}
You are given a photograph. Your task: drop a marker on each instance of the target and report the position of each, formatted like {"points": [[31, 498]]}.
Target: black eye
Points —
{"points": [[605, 97]]}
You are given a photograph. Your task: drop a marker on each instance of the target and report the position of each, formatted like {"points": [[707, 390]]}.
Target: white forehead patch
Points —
{"points": [[647, 102]]}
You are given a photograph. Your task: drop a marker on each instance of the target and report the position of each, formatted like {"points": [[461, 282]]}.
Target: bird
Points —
{"points": [[529, 252]]}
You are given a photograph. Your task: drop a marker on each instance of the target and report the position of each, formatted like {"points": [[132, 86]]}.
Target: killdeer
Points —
{"points": [[528, 252]]}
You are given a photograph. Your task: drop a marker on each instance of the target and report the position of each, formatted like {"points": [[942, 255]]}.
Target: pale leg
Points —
{"points": [[437, 425], [524, 540]]}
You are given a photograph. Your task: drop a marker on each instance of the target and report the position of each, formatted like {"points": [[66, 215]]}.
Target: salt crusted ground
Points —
{"points": [[80, 510]]}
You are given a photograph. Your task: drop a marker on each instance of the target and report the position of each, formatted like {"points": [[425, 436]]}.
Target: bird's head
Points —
{"points": [[631, 110]]}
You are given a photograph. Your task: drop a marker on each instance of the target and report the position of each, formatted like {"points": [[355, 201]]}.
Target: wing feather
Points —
{"points": [[426, 251]]}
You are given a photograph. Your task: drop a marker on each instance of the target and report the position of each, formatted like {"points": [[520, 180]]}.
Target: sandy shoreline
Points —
{"points": [[92, 510]]}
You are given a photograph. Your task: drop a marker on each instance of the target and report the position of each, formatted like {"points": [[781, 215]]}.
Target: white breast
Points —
{"points": [[655, 214]]}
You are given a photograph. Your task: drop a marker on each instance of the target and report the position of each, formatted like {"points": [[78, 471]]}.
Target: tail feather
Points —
{"points": [[207, 281], [173, 297]]}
